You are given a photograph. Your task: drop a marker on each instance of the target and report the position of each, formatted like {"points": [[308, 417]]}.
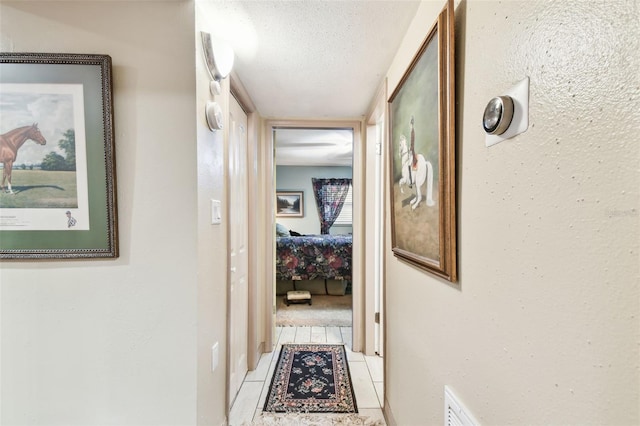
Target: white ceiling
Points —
{"points": [[310, 58], [314, 147]]}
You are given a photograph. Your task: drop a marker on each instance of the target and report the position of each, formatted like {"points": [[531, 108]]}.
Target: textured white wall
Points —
{"points": [[544, 327], [212, 239], [114, 341]]}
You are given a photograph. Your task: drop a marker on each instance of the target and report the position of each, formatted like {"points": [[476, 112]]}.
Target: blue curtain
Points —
{"points": [[330, 195]]}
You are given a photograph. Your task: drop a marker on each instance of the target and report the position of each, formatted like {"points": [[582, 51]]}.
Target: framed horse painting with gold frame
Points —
{"points": [[58, 192], [422, 155]]}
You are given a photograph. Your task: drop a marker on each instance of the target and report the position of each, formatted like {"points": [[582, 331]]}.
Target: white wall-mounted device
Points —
{"points": [[218, 57], [215, 88], [214, 115], [216, 212], [215, 357], [498, 115], [507, 115]]}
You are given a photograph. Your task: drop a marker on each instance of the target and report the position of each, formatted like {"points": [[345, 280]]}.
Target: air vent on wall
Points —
{"points": [[454, 413]]}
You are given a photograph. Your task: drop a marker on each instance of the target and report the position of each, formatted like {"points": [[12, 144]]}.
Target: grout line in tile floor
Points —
{"points": [[366, 374]]}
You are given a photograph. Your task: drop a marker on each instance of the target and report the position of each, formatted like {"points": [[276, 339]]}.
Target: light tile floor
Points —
{"points": [[366, 374]]}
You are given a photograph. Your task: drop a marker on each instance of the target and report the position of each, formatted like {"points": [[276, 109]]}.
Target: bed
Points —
{"points": [[311, 257]]}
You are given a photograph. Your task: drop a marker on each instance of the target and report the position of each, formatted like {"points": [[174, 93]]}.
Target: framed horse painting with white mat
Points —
{"points": [[57, 195], [422, 155]]}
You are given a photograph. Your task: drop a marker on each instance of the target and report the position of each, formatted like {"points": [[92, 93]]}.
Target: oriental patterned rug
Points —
{"points": [[311, 378]]}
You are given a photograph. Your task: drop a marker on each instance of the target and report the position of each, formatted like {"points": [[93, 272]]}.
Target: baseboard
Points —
{"points": [[257, 355], [388, 415]]}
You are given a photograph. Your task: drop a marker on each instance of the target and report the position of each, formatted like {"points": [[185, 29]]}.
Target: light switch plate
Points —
{"points": [[520, 122], [215, 357], [216, 212]]}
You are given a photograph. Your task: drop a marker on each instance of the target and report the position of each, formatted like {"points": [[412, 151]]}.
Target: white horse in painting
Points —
{"points": [[415, 176]]}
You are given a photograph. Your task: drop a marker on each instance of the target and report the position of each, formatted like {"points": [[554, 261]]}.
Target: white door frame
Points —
{"points": [[375, 178], [358, 223]]}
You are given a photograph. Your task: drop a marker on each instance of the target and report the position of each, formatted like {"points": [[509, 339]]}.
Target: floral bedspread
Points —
{"points": [[314, 257]]}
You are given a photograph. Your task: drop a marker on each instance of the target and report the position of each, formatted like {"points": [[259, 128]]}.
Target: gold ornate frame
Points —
{"points": [[422, 115]]}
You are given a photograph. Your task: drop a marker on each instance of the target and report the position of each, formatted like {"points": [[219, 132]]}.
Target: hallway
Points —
{"points": [[366, 374]]}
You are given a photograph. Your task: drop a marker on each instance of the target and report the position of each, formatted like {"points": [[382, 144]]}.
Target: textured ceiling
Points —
{"points": [[310, 59], [314, 147]]}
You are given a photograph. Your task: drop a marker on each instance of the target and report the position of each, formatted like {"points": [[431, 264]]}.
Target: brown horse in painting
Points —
{"points": [[10, 143]]}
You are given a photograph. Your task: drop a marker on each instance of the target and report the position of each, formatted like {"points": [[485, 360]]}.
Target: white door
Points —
{"points": [[238, 256]]}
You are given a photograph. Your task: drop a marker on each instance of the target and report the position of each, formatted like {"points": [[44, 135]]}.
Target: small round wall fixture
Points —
{"points": [[214, 87], [214, 116], [498, 115]]}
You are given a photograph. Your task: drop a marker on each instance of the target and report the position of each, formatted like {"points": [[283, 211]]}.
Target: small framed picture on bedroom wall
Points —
{"points": [[289, 204]]}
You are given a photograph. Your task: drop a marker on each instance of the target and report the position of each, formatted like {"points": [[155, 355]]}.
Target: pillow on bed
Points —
{"points": [[281, 230]]}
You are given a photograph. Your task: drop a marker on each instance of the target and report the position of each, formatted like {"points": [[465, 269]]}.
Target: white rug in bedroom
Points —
{"points": [[325, 310]]}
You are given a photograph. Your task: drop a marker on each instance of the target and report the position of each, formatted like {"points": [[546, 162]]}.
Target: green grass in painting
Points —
{"points": [[41, 189]]}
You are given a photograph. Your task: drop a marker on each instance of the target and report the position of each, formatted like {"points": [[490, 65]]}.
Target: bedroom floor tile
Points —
{"points": [[253, 393]]}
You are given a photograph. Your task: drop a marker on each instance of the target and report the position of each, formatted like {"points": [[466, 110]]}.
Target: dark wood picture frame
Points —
{"points": [[289, 203], [422, 155], [63, 201]]}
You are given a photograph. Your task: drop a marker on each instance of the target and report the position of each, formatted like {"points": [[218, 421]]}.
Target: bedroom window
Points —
{"points": [[330, 194], [345, 216]]}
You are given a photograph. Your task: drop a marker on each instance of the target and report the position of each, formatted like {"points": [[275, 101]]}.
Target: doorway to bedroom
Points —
{"points": [[314, 227]]}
